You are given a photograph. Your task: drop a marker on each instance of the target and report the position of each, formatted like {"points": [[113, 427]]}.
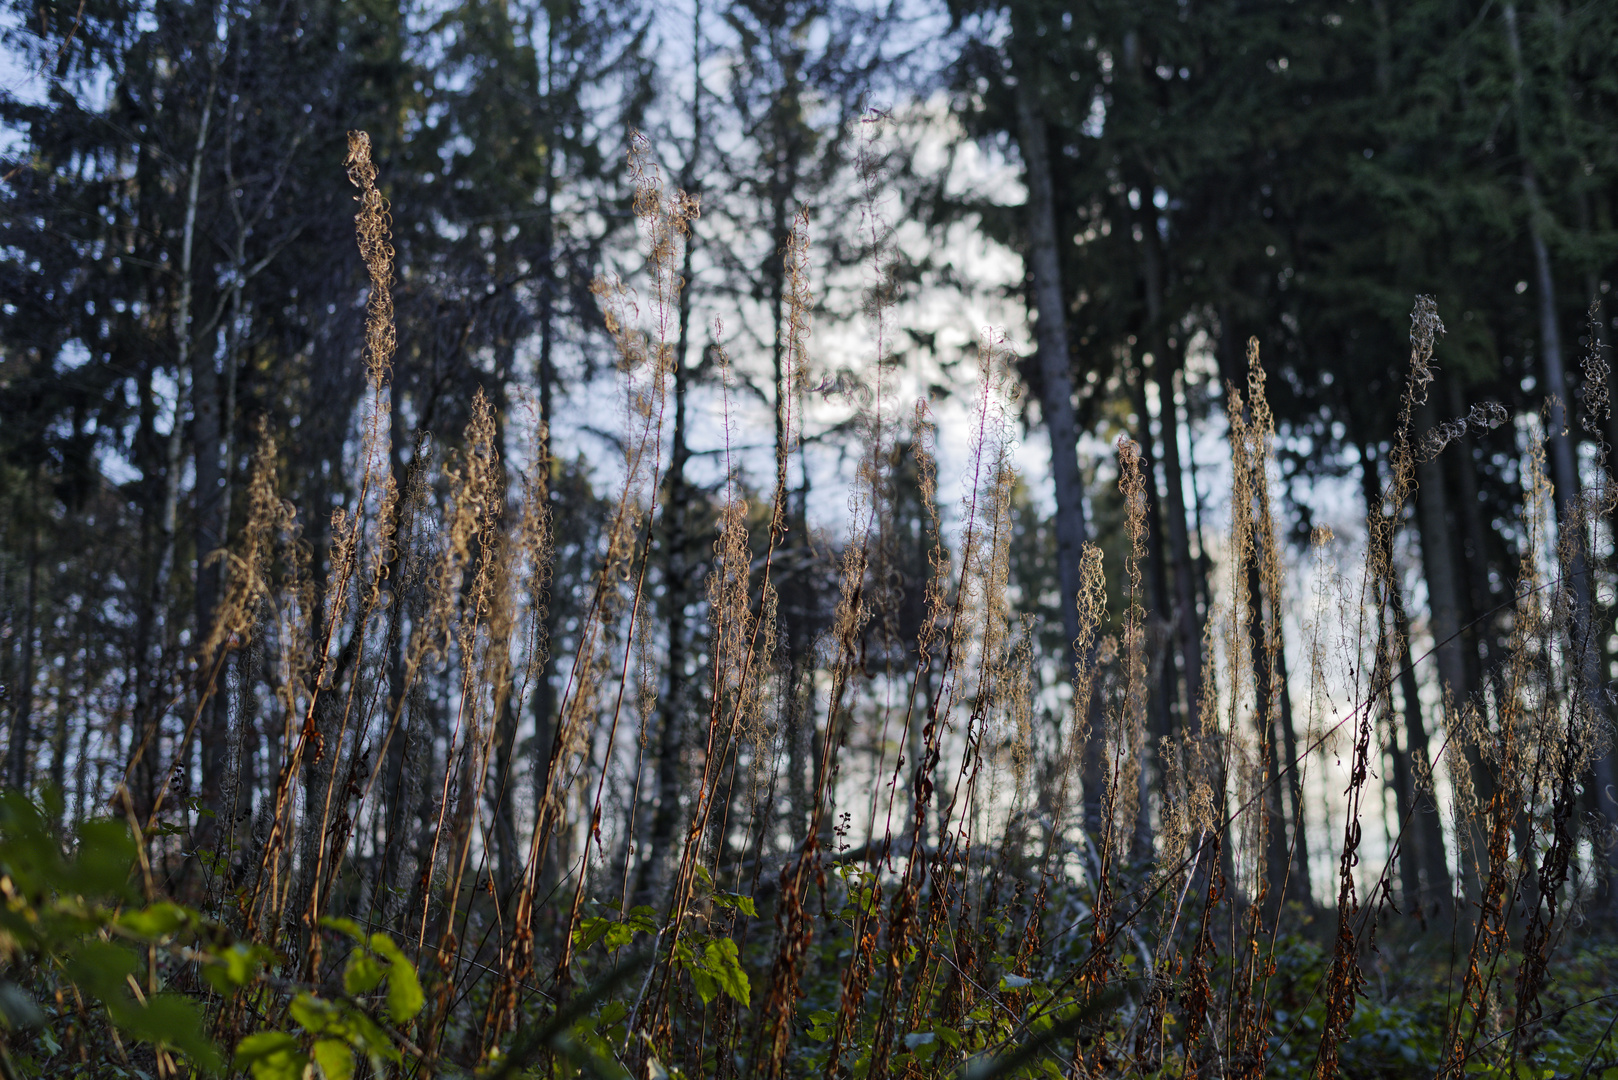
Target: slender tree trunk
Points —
{"points": [[1154, 340], [544, 703], [1410, 852], [1056, 399], [1423, 826], [1161, 672], [1438, 562], [147, 738], [673, 705], [1157, 584], [1180, 613], [1187, 631], [397, 793], [1479, 644], [1266, 694], [208, 513], [802, 761], [1274, 692], [1298, 884], [139, 771], [508, 855], [406, 845], [1437, 537], [244, 771], [1201, 564], [236, 795], [22, 711], [148, 735]]}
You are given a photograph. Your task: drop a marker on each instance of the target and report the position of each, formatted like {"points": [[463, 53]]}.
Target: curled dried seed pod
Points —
{"points": [[373, 227]]}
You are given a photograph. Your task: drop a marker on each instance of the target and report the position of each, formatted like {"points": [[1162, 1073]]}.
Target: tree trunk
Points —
{"points": [[1438, 563], [672, 705], [544, 704], [1166, 360], [1298, 884], [1187, 630], [1161, 673], [1056, 399], [1277, 856], [1157, 583], [1274, 692], [22, 712], [1422, 824], [208, 525], [1479, 645]]}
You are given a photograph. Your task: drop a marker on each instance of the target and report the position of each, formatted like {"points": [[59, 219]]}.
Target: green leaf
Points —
{"points": [[235, 966], [386, 947], [344, 926], [705, 985], [334, 1059], [315, 1015], [29, 852], [405, 998], [363, 974], [159, 920], [820, 1024], [17, 1010], [367, 1038], [591, 929], [723, 962], [614, 934], [271, 1055], [106, 859], [696, 967], [171, 1021], [102, 968], [743, 904]]}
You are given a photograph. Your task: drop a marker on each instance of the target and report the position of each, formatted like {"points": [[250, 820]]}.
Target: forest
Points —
{"points": [[858, 539]]}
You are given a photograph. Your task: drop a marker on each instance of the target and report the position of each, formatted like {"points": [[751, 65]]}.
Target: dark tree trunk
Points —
{"points": [[1438, 562], [1423, 863], [1154, 338], [1056, 397], [208, 533], [1157, 583], [1187, 628], [1280, 883], [1423, 828], [22, 711], [673, 705], [208, 524], [1160, 661]]}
